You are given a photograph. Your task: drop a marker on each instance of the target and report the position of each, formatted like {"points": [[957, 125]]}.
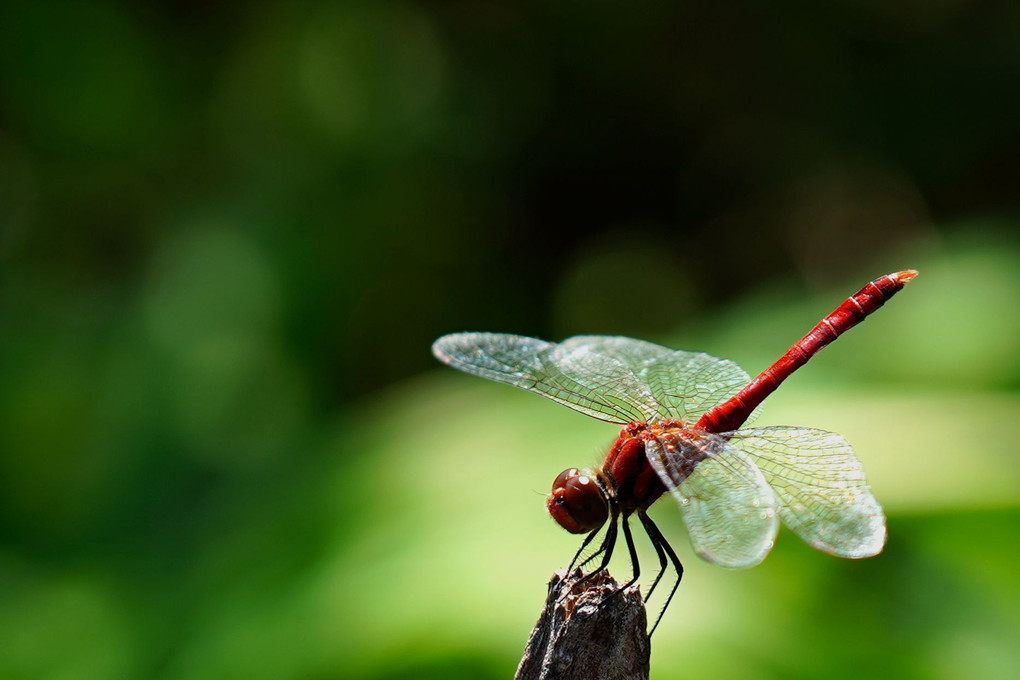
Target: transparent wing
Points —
{"points": [[728, 507], [570, 373], [683, 384], [822, 491]]}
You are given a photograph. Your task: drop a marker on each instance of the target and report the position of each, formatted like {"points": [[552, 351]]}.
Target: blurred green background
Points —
{"points": [[229, 233]]}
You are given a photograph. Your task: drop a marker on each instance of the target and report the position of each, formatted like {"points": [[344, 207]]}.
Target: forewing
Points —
{"points": [[728, 507], [823, 494], [683, 384], [572, 374]]}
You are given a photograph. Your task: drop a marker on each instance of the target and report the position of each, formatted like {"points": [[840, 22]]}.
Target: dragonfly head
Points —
{"points": [[578, 502]]}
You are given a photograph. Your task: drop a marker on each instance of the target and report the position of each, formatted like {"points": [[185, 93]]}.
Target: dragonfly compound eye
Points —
{"points": [[577, 503]]}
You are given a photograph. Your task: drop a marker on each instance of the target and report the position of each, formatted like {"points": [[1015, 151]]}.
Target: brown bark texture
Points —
{"points": [[588, 631]]}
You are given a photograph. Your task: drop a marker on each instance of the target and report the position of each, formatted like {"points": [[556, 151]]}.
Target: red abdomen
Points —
{"points": [[732, 413]]}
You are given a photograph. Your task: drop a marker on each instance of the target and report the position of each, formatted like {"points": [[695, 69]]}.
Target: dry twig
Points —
{"points": [[587, 631]]}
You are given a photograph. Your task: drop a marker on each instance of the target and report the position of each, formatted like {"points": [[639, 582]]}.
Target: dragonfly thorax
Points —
{"points": [[634, 483], [579, 500]]}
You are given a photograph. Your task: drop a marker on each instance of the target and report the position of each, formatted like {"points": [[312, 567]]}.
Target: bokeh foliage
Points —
{"points": [[230, 231]]}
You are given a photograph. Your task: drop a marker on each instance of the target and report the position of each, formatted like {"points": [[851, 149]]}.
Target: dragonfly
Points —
{"points": [[681, 415]]}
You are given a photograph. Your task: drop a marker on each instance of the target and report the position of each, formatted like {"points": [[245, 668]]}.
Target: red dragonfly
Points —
{"points": [[680, 413]]}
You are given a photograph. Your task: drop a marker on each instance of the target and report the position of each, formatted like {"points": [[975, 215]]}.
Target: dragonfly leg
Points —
{"points": [[587, 540], [606, 549], [636, 568], [661, 544], [591, 557], [645, 521], [635, 565]]}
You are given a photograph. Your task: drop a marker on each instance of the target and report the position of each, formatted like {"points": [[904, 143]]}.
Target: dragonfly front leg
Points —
{"points": [[587, 540], [606, 549]]}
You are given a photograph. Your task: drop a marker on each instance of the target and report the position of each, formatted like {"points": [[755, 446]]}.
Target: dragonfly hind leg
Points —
{"points": [[664, 550]]}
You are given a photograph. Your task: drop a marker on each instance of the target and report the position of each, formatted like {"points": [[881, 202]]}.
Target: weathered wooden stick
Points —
{"points": [[588, 632]]}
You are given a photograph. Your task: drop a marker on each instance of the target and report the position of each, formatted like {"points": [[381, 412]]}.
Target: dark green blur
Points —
{"points": [[229, 233]]}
